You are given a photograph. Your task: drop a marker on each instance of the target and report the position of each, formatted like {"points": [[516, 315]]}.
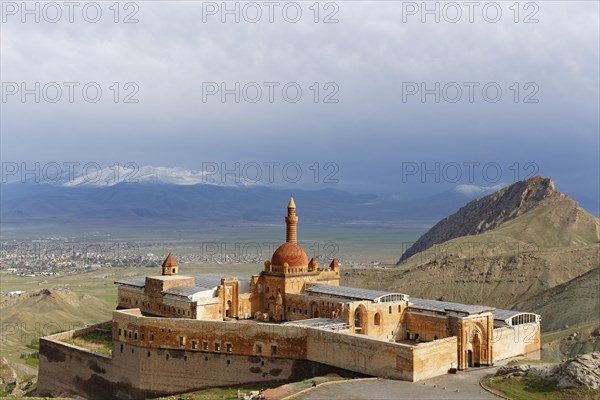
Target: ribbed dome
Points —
{"points": [[290, 253]]}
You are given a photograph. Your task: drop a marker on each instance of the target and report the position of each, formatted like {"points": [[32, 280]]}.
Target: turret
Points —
{"points": [[169, 266], [335, 265], [312, 265]]}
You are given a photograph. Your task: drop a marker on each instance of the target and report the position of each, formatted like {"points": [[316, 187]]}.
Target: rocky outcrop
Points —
{"points": [[581, 371], [487, 213]]}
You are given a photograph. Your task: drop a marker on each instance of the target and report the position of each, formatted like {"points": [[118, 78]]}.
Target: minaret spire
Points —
{"points": [[291, 222]]}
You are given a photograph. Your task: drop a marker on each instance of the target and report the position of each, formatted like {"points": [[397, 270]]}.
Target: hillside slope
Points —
{"points": [[567, 304], [505, 249], [27, 317]]}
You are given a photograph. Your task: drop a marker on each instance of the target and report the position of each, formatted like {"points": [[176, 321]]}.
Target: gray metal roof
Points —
{"points": [[503, 315], [185, 290], [213, 280], [139, 281], [348, 292], [208, 280], [321, 323], [435, 305]]}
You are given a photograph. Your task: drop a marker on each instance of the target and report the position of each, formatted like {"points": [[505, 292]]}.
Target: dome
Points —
{"points": [[290, 253]]}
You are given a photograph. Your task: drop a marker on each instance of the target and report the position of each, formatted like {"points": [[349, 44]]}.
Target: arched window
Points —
{"points": [[377, 319]]}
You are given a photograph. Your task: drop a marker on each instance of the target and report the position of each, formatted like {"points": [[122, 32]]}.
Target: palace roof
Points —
{"points": [[442, 306], [353, 293]]}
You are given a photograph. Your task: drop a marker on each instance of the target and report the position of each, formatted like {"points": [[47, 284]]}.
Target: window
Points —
{"points": [[229, 347], [142, 336], [119, 331], [390, 309], [217, 346], [205, 345], [194, 345], [357, 322], [135, 336], [377, 319], [258, 349], [273, 350], [151, 336], [182, 340], [148, 354], [173, 270], [129, 334]]}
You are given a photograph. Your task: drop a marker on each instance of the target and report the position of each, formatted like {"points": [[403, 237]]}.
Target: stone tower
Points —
{"points": [[169, 266], [291, 222]]}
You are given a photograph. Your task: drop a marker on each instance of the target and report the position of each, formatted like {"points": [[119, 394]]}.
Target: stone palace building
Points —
{"points": [[174, 333]]}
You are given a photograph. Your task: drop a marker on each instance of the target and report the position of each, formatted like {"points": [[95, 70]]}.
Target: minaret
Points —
{"points": [[291, 221]]}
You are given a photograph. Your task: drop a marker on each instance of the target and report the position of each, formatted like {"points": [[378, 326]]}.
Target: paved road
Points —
{"points": [[464, 385]]}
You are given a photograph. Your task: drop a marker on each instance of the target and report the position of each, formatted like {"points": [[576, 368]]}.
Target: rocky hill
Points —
{"points": [[487, 213]]}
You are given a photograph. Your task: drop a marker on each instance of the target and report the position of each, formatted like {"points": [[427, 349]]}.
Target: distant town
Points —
{"points": [[60, 257]]}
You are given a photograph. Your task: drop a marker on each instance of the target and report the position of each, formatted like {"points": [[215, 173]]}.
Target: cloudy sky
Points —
{"points": [[385, 88]]}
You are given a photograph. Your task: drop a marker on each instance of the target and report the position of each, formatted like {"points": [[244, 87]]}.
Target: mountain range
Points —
{"points": [[162, 197]]}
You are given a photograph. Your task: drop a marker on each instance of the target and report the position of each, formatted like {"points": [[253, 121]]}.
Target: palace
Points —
{"points": [[174, 333]]}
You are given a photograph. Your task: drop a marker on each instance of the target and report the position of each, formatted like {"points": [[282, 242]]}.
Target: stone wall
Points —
{"points": [[516, 340], [159, 356], [66, 369], [360, 353], [434, 358], [135, 372], [428, 327]]}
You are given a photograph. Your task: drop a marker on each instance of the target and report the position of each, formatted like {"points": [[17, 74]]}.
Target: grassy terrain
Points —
{"points": [[533, 388], [97, 341]]}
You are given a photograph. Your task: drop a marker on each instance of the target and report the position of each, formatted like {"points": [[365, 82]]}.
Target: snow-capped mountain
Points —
{"points": [[113, 175]]}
